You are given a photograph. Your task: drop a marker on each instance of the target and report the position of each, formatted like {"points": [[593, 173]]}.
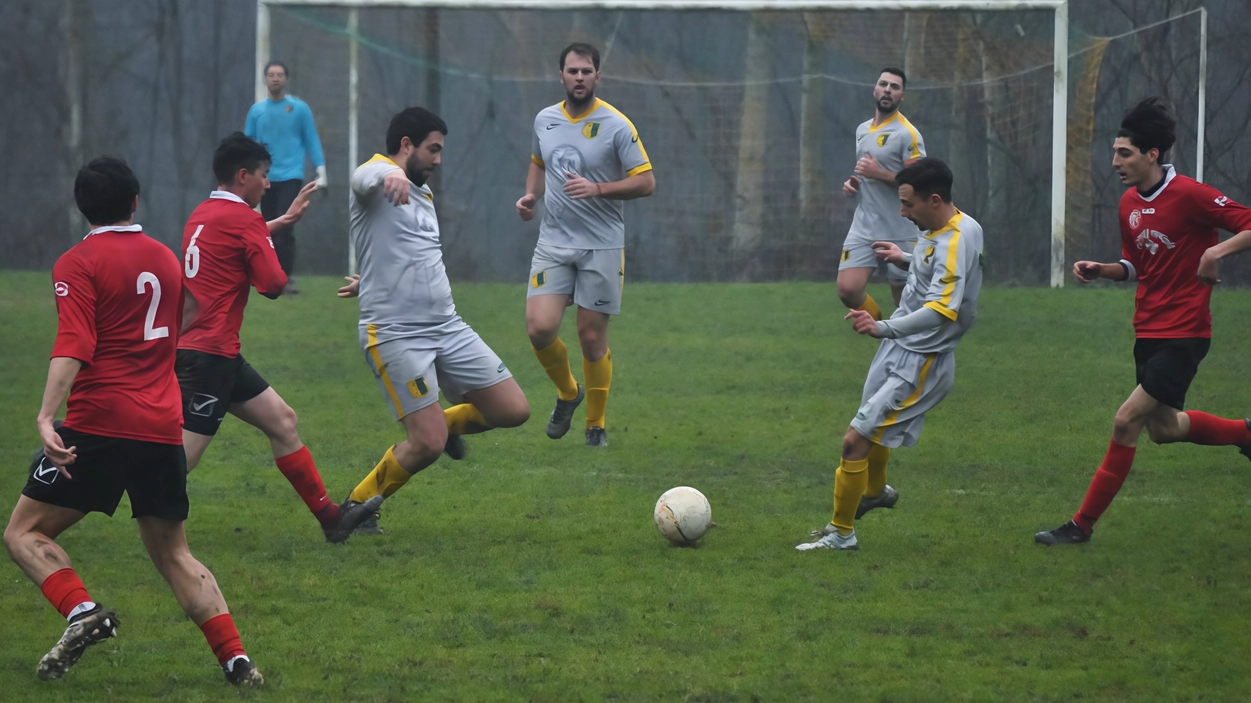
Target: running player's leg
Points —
{"points": [[30, 538], [480, 386], [598, 292], [270, 414], [551, 284], [406, 374], [198, 594], [855, 268], [207, 382]]}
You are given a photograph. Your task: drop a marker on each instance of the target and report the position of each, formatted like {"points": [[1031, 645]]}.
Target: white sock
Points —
{"points": [[79, 610]]}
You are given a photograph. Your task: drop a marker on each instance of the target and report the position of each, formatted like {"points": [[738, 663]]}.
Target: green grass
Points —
{"points": [[532, 570]]}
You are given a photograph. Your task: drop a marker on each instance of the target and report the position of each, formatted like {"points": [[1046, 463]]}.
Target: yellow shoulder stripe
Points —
{"points": [[379, 157], [914, 152], [941, 310], [634, 133], [953, 256], [538, 161]]}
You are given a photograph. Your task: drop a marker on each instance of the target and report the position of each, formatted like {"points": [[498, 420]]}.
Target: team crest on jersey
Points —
{"points": [[418, 387], [929, 252], [1151, 240], [61, 288], [1135, 219], [1221, 201], [881, 138], [591, 130]]}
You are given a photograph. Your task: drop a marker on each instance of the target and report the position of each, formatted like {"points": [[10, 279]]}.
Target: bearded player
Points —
{"points": [[585, 159], [1169, 246]]}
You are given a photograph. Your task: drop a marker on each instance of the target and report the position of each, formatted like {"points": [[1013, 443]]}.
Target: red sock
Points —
{"points": [[65, 591], [222, 637], [1105, 485], [300, 470], [1217, 431]]}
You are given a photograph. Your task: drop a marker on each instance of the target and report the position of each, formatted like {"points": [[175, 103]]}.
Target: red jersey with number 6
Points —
{"points": [[1163, 237], [119, 306], [226, 250]]}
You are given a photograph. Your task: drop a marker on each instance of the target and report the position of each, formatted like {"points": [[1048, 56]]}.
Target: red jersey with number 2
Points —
{"points": [[226, 250], [119, 306], [1163, 236]]}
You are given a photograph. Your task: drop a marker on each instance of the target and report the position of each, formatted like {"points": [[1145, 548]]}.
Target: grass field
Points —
{"points": [[532, 570]]}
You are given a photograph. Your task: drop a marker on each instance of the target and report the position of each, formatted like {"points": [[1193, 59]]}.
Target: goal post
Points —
{"points": [[1060, 56]]}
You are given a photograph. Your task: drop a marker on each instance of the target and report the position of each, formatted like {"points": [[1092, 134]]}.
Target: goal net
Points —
{"points": [[749, 118]]}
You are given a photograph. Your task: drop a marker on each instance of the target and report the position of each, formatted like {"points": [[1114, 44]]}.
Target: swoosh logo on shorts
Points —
{"points": [[602, 302]]}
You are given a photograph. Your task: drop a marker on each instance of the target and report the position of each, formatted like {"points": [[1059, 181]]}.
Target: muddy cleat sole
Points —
{"points": [[240, 671], [596, 437], [832, 540], [562, 415], [1068, 533], [351, 516], [886, 499], [456, 448], [91, 627]]}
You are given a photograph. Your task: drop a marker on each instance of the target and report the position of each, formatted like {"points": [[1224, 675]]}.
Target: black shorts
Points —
{"points": [[153, 475], [1167, 366], [210, 385]]}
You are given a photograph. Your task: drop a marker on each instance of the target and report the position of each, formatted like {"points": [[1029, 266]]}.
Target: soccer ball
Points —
{"points": [[683, 515]]}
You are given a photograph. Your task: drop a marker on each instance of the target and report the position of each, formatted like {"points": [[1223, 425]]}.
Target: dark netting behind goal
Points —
{"points": [[749, 120]]}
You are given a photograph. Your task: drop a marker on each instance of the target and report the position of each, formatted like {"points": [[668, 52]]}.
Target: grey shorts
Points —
{"points": [[595, 277], [858, 253], [901, 387], [412, 370]]}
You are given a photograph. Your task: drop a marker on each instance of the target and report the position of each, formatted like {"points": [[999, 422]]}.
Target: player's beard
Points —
{"points": [[412, 169], [887, 105], [575, 106]]}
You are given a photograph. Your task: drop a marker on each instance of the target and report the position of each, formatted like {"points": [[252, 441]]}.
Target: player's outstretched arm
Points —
{"points": [[536, 187], [640, 185], [1087, 271], [62, 371], [1210, 262], [296, 211], [892, 254]]}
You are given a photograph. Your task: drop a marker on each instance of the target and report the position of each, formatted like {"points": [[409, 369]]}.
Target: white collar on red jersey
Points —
{"points": [[1168, 177], [226, 195], [115, 228]]}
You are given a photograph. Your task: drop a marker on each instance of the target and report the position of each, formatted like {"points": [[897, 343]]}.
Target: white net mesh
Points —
{"points": [[749, 120]]}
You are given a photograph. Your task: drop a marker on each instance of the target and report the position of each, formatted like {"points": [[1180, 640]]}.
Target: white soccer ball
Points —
{"points": [[683, 515]]}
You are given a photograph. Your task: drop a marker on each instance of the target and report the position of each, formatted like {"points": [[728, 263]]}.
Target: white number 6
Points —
{"points": [[149, 332], [192, 263]]}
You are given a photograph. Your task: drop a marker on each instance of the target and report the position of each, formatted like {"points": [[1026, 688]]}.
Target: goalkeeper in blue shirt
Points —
{"points": [[284, 124]]}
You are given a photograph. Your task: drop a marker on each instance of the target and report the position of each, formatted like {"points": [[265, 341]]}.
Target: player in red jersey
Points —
{"points": [[226, 251], [119, 300], [1168, 238]]}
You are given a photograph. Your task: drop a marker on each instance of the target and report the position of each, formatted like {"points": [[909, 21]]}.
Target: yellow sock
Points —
{"points": [[870, 306], [386, 478], [598, 375], [555, 361], [878, 456], [465, 419], [849, 482]]}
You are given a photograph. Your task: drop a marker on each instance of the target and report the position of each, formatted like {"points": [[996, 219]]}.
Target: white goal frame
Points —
{"points": [[1059, 104]]}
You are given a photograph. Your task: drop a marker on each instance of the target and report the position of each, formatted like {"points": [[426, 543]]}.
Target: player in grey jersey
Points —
{"points": [[884, 145], [414, 342], [586, 158], [915, 365]]}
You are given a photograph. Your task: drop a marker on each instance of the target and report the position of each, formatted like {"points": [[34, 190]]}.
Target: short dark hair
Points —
{"points": [[235, 152], [927, 176], [581, 49], [279, 64], [903, 79], [1149, 126], [416, 123], [105, 191]]}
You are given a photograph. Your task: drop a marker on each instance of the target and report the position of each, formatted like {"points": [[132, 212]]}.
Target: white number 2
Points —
{"points": [[192, 262], [150, 332]]}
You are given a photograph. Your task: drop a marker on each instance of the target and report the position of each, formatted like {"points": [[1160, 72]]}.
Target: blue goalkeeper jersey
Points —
{"points": [[286, 128]]}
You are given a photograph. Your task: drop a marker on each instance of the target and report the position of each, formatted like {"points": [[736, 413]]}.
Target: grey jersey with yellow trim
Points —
{"points": [[404, 290], [946, 276], [892, 143], [600, 145]]}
